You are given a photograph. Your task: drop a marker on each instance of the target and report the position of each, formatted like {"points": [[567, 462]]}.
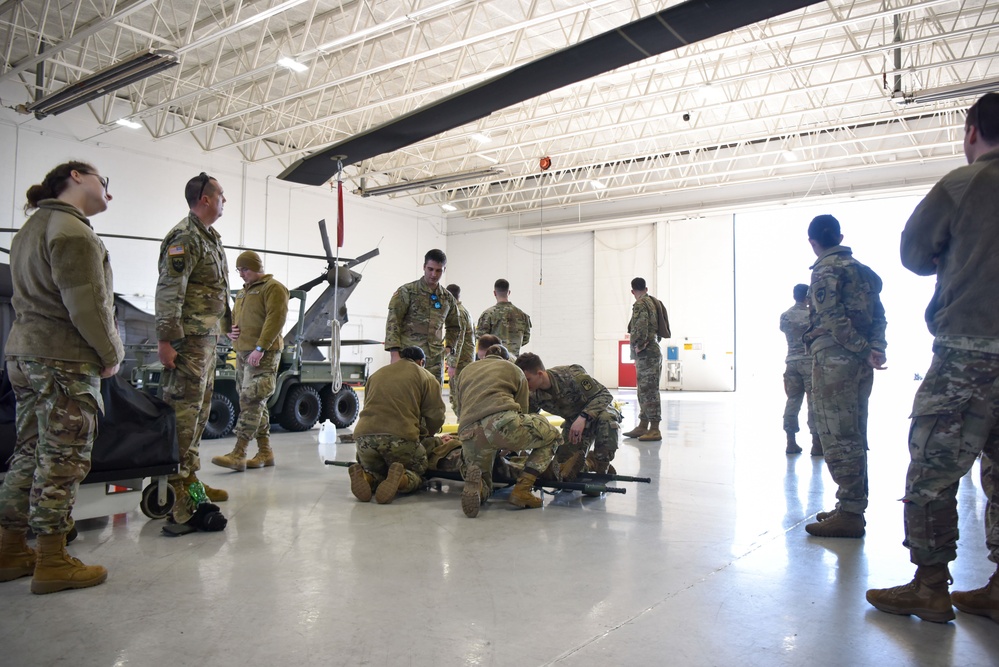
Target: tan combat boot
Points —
{"points": [[593, 464], [265, 455], [521, 495], [234, 460], [641, 429], [981, 601], [471, 494], [652, 434], [816, 445], [361, 483], [792, 445], [387, 489], [56, 570], [822, 516], [571, 467], [926, 596], [17, 559], [839, 523]]}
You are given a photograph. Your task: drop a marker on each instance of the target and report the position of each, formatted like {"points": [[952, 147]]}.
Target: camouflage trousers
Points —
{"points": [[841, 388], [797, 386], [434, 353], [955, 417], [649, 369], [256, 385], [600, 433], [56, 427], [376, 453], [188, 390], [513, 431]]}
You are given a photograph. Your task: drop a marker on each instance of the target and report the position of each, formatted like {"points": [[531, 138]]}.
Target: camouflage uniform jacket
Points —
{"points": [[508, 323], [644, 324], [63, 294], [260, 311], [413, 319], [489, 386], [402, 399], [466, 353], [953, 234], [573, 393], [192, 294], [794, 322], [846, 308]]}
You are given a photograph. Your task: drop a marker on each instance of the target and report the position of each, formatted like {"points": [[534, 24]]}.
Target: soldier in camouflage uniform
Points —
{"points": [[466, 352], [643, 329], [63, 341], [402, 407], [798, 371], [493, 398], [585, 405], [847, 341], [953, 234], [424, 314], [505, 320], [192, 310], [258, 316]]}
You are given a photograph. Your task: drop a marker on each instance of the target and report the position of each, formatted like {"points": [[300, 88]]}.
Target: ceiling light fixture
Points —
{"points": [[426, 182], [131, 124], [482, 138], [971, 89], [292, 64], [450, 208], [789, 155], [101, 83], [597, 184]]}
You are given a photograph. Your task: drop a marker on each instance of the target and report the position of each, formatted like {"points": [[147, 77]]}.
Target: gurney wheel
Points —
{"points": [[149, 505]]}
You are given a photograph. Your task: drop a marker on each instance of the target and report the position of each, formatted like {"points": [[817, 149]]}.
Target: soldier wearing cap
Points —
{"points": [[258, 317], [192, 310]]}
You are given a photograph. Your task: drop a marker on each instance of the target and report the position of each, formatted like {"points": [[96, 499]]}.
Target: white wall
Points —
{"points": [[147, 182], [551, 279]]}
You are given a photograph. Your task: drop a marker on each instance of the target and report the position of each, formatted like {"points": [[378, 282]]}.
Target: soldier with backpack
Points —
{"points": [[648, 325]]}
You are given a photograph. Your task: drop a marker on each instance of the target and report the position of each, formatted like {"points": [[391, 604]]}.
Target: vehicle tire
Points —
{"points": [[340, 408], [221, 419], [301, 408], [150, 505]]}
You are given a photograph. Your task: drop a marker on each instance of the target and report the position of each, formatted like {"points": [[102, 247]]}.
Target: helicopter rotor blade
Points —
{"points": [[326, 241]]}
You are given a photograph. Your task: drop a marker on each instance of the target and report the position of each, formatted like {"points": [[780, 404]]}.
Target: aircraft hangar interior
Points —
{"points": [[567, 147]]}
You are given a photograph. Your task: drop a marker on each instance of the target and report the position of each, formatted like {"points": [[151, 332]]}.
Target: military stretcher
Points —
{"points": [[590, 483]]}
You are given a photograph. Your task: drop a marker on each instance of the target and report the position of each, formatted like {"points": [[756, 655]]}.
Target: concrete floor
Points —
{"points": [[708, 565]]}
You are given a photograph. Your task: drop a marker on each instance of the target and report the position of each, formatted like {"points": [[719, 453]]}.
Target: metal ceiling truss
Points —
{"points": [[822, 83]]}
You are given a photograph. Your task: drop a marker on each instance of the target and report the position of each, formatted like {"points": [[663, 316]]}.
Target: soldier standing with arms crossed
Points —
{"points": [[258, 316], [62, 342], [424, 314], [644, 331], [192, 310], [953, 233]]}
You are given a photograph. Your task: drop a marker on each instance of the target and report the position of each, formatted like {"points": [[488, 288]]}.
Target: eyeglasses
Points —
{"points": [[104, 181], [435, 300]]}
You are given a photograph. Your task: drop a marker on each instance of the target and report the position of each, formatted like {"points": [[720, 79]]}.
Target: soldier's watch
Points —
{"points": [[259, 349]]}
